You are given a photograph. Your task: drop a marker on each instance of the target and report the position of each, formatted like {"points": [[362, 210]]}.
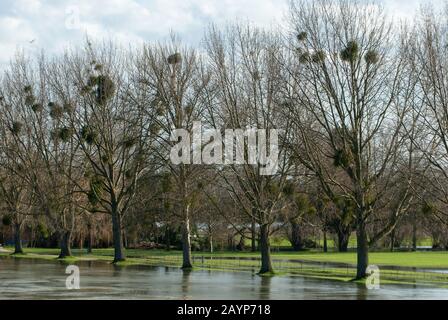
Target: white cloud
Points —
{"points": [[131, 21]]}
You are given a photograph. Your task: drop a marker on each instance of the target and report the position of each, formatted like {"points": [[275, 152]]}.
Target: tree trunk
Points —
{"points": [[167, 239], [90, 244], [17, 238], [414, 235], [362, 250], [343, 239], [64, 243], [241, 246], [266, 263], [186, 243], [119, 254], [211, 243], [81, 241], [254, 236], [325, 241], [392, 240], [296, 236]]}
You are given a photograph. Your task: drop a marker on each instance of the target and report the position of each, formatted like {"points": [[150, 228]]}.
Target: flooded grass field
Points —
{"points": [[37, 279]]}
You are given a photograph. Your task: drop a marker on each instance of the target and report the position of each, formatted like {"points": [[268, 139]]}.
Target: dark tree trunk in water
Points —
{"points": [[186, 244], [17, 239], [296, 236], [266, 264], [119, 254], [240, 246], [392, 240], [90, 244], [343, 239], [362, 250], [414, 235], [64, 243], [254, 236], [325, 241], [167, 239]]}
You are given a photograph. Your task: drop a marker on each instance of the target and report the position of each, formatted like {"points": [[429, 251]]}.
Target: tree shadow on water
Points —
{"points": [[265, 288]]}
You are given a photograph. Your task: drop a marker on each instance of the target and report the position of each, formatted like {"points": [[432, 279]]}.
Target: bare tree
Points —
{"points": [[246, 81], [348, 100]]}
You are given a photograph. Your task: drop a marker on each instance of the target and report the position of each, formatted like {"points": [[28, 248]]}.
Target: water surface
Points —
{"points": [[38, 279]]}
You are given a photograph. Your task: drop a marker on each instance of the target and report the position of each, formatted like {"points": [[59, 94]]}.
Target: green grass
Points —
{"points": [[420, 259]]}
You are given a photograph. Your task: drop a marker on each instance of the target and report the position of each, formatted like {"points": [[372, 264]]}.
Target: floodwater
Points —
{"points": [[37, 279]]}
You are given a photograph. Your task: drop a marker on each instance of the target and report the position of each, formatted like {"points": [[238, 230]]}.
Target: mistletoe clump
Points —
{"points": [[29, 100], [372, 57], [56, 111], [88, 134], [37, 107], [302, 36], [175, 58], [16, 127], [65, 134], [319, 56], [105, 89], [305, 58], [342, 158], [351, 52]]}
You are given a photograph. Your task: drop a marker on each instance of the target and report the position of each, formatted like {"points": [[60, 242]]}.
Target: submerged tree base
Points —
{"points": [[187, 267], [267, 274]]}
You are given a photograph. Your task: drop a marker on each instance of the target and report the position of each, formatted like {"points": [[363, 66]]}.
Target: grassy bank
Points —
{"points": [[285, 263]]}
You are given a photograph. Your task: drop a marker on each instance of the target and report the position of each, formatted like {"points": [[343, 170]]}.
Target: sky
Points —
{"points": [[52, 25]]}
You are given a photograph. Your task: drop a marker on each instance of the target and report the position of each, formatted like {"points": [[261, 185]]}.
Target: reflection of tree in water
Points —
{"points": [[361, 291], [116, 270], [265, 287], [186, 281]]}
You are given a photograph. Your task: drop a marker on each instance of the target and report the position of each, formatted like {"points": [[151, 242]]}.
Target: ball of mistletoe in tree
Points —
{"points": [[7, 220], [129, 143], [341, 158], [319, 56], [129, 173], [372, 57], [65, 134], [69, 107], [351, 51], [88, 135], [27, 89], [175, 58], [93, 198], [29, 100], [16, 127], [37, 107], [302, 36], [105, 89], [428, 209], [56, 111], [288, 189], [305, 57], [86, 90]]}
